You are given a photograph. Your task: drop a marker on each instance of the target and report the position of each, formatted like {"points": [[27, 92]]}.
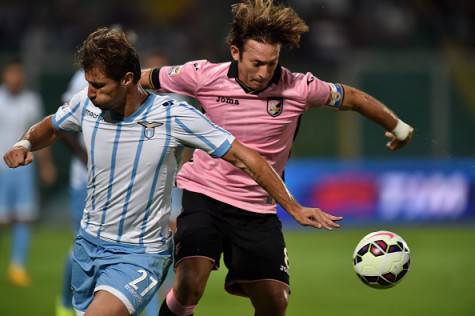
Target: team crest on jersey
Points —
{"points": [[275, 106], [149, 128], [174, 70]]}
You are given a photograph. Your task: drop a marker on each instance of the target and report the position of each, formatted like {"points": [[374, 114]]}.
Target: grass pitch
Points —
{"points": [[441, 280]]}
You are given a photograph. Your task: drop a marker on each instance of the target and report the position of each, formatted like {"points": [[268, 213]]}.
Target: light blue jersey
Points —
{"points": [[132, 164], [17, 186]]}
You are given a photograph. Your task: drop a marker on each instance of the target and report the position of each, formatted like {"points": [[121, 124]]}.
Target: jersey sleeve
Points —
{"points": [[319, 92], [182, 79], [193, 129], [68, 116]]}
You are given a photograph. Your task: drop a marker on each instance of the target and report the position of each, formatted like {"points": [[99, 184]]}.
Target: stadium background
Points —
{"points": [[417, 56]]}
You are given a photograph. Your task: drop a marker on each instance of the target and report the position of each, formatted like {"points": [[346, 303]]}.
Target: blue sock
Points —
{"points": [[66, 293], [20, 243]]}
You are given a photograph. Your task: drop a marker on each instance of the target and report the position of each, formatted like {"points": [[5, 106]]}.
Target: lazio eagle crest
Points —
{"points": [[149, 128]]}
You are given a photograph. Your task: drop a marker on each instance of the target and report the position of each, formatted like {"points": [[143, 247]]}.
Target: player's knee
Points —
{"points": [[190, 287], [274, 304], [280, 300]]}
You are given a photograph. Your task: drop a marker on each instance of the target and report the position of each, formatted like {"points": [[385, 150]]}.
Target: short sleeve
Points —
{"points": [[182, 79], [319, 92], [68, 116], [193, 129]]}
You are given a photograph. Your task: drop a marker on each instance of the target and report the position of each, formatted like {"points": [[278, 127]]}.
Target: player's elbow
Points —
{"points": [[353, 99]]}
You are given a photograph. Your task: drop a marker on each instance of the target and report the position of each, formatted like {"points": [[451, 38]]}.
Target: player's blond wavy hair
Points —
{"points": [[266, 22]]}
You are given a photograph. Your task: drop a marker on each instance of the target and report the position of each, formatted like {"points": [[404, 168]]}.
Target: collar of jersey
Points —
{"points": [[233, 73], [147, 103]]}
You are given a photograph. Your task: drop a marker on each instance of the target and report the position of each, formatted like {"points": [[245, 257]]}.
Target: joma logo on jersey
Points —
{"points": [[149, 128], [275, 106], [227, 100]]}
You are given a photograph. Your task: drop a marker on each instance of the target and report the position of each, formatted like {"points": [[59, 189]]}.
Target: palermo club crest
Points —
{"points": [[149, 128], [275, 106]]}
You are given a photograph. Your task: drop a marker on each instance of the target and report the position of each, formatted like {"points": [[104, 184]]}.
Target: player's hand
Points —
{"points": [[18, 156], [395, 143], [317, 218]]}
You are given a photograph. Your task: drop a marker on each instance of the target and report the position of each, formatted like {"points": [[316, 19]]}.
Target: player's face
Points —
{"points": [[256, 63], [13, 78], [104, 92]]}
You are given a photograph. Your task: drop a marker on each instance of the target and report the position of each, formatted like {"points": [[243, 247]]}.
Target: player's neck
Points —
{"points": [[134, 100]]}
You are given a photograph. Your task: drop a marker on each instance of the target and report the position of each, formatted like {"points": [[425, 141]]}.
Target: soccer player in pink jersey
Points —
{"points": [[260, 102]]}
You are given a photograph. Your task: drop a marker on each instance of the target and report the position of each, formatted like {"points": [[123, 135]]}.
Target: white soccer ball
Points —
{"points": [[381, 259]]}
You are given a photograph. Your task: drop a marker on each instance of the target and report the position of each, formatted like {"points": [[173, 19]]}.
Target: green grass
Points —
{"points": [[441, 280]]}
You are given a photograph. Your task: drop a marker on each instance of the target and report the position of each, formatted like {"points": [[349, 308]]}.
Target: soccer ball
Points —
{"points": [[381, 259]]}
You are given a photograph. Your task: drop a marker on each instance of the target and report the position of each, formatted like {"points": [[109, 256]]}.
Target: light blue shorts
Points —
{"points": [[123, 270], [18, 194]]}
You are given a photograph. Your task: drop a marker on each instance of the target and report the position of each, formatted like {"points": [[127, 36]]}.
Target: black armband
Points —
{"points": [[154, 78]]}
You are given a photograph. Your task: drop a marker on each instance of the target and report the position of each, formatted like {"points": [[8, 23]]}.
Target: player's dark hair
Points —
{"points": [[265, 22], [110, 49]]}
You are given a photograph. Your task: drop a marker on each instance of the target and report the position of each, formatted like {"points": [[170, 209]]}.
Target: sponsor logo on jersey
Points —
{"points": [[149, 128], [227, 100], [275, 106], [94, 115], [174, 70]]}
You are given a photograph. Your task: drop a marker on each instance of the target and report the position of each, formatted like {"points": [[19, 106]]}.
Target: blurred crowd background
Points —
{"points": [[417, 56]]}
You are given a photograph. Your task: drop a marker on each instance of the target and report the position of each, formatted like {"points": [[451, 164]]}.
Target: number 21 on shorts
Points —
{"points": [[135, 283]]}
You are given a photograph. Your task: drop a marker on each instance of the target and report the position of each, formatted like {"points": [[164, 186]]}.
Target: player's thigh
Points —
{"points": [[133, 278], [256, 252], [106, 304], [197, 235]]}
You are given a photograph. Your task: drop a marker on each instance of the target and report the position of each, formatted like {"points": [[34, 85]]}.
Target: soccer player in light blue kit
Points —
{"points": [[19, 108], [78, 194], [132, 139]]}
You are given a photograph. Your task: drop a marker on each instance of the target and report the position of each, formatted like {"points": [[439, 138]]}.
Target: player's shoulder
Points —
{"points": [[180, 108], [164, 103], [78, 99], [206, 68], [292, 79], [80, 96]]}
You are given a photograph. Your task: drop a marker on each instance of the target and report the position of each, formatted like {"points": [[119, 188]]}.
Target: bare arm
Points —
{"points": [[47, 170], [259, 169], [71, 140], [39, 136], [398, 132], [145, 78]]}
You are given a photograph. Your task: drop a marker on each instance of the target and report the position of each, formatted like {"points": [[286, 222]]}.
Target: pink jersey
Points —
{"points": [[266, 121]]}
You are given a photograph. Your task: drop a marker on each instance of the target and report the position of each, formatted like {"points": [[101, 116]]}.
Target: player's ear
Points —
{"points": [[128, 79], [235, 52]]}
